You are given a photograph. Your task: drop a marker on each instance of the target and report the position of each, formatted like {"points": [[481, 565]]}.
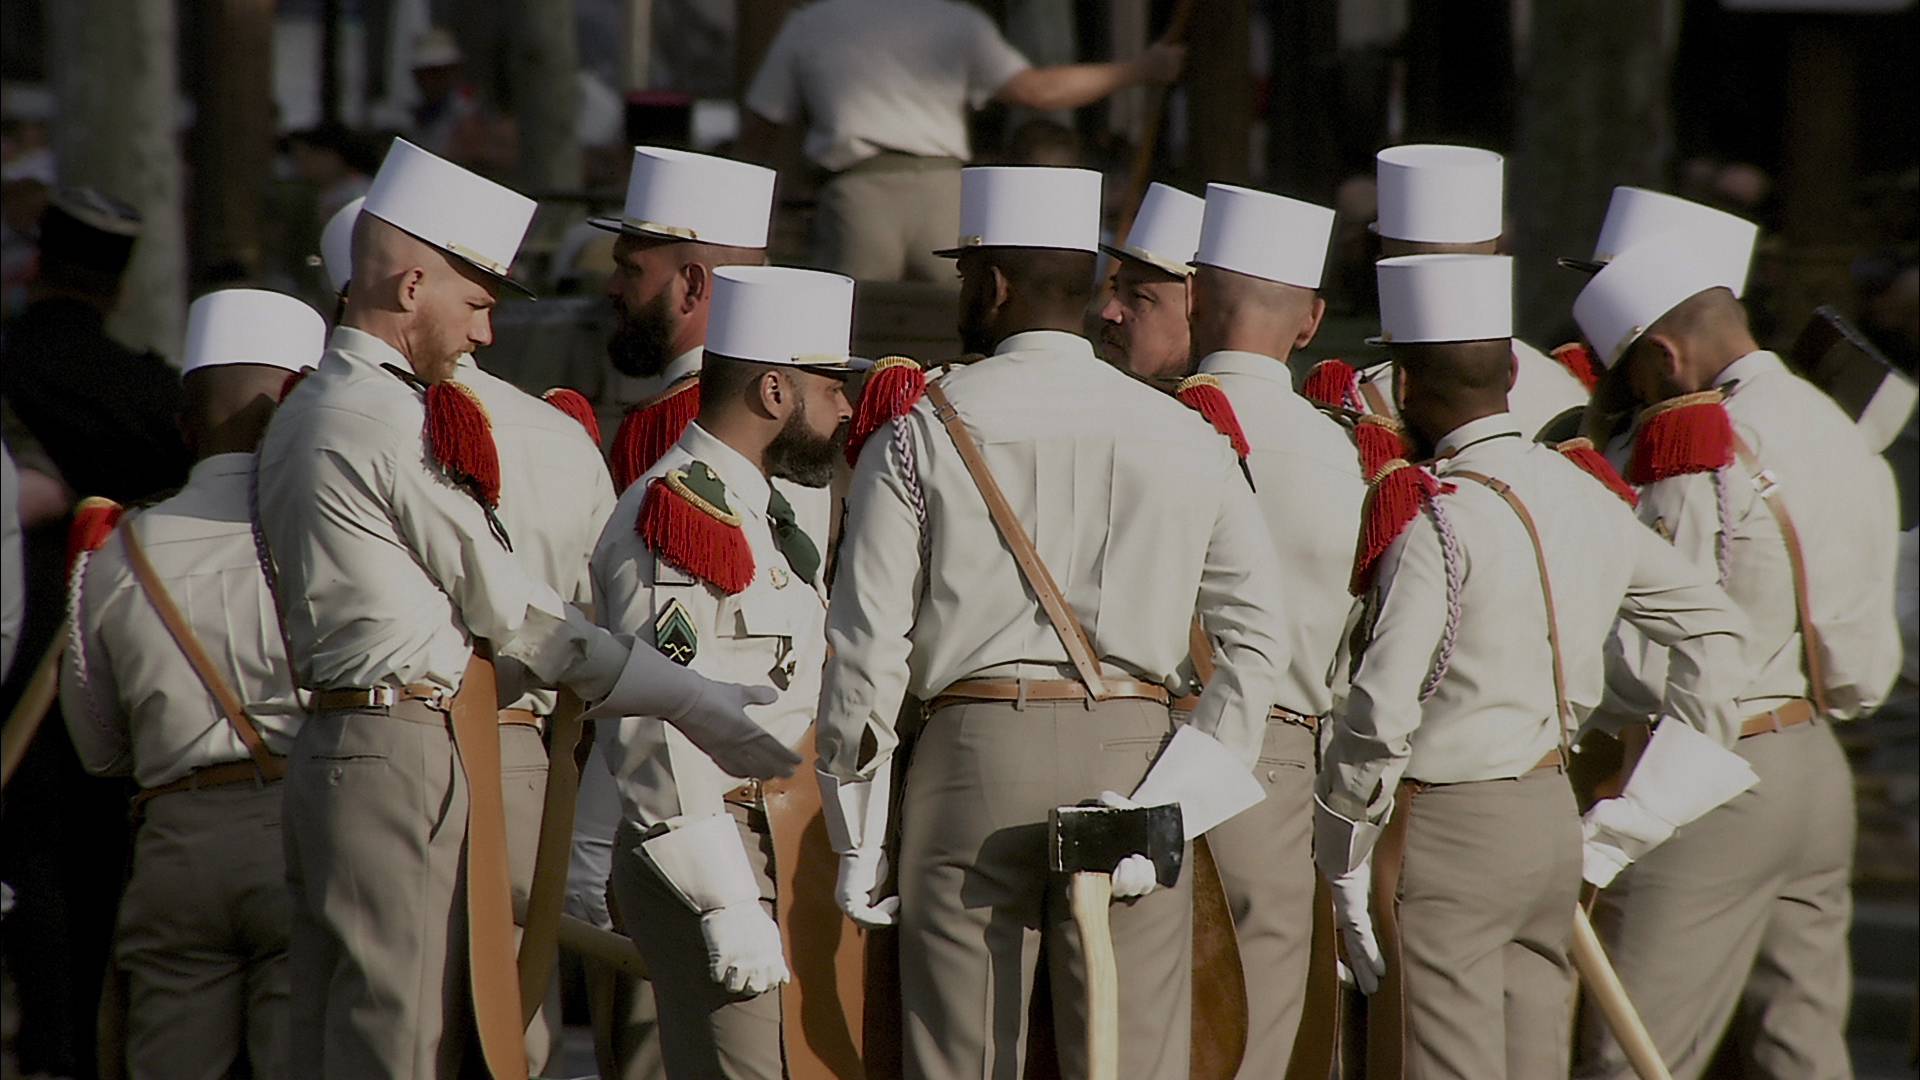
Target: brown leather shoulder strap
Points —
{"points": [[1500, 488], [1072, 635], [1375, 400], [271, 766], [1810, 645]]}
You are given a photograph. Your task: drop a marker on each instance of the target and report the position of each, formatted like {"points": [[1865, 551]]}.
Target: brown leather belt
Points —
{"points": [[1554, 760], [394, 698], [1792, 714], [524, 717], [230, 774], [1024, 690], [1285, 716]]}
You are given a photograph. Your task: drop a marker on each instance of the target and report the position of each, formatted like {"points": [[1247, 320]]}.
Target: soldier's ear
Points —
{"points": [[1310, 324], [1002, 288], [409, 285], [698, 278]]}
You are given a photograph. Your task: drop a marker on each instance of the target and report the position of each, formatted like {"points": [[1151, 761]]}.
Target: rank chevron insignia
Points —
{"points": [[674, 635]]}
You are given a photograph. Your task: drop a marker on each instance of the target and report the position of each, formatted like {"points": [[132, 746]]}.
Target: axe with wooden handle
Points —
{"points": [[1603, 984]]}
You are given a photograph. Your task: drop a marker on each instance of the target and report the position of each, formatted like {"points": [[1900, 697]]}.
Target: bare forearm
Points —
{"points": [[1066, 86]]}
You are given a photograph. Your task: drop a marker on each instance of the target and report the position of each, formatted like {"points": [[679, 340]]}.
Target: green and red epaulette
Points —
{"points": [[685, 522], [1333, 384], [1381, 440], [1578, 360], [294, 378], [650, 429], [1688, 434], [1202, 394], [575, 404], [1395, 496], [893, 388], [93, 522], [1590, 461]]}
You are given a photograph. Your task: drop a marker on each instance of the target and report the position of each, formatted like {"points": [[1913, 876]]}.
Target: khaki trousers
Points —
{"points": [[1741, 919], [705, 1033], [1265, 858], [1486, 899], [883, 220], [202, 936], [626, 1024], [976, 897], [376, 819], [523, 789]]}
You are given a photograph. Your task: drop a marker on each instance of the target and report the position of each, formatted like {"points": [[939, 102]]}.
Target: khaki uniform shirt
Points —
{"points": [[772, 633], [1543, 390], [387, 570], [1494, 714], [1306, 478], [1135, 504], [882, 75], [1841, 497], [555, 493], [132, 701]]}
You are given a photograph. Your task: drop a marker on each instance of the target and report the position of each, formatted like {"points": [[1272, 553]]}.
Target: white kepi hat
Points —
{"points": [[336, 245], [463, 214], [1441, 298], [253, 326], [1166, 231], [782, 315], [680, 195], [1636, 215], [1028, 206], [1437, 194], [1634, 289], [1264, 235]]}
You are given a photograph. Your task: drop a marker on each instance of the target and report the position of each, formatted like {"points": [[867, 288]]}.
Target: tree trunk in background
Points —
{"points": [[1306, 108], [545, 68], [1219, 84], [112, 64], [1595, 111], [232, 139], [1459, 56]]}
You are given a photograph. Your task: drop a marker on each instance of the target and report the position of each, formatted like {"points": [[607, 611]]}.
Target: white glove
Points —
{"points": [[712, 715], [1133, 877], [1681, 777], [861, 871], [1340, 843], [743, 948], [1364, 959]]}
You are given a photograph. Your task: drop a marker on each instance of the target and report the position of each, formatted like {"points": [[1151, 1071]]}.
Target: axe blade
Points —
{"points": [[1093, 839]]}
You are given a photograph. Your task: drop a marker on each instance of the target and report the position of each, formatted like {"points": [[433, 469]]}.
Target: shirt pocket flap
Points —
{"points": [[758, 612]]}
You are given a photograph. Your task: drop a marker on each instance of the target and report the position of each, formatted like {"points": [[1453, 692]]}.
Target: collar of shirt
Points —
{"points": [[1251, 364], [680, 367], [220, 465], [745, 482], [1495, 426], [362, 349], [1747, 367], [1051, 341]]}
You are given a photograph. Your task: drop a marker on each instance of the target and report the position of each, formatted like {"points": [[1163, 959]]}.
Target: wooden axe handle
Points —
{"points": [[1603, 983], [1089, 896]]}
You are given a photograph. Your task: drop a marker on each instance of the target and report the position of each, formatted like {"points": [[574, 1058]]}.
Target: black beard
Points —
{"points": [[800, 456], [642, 342], [976, 335]]}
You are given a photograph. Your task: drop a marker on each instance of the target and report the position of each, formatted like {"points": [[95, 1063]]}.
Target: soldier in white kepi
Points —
{"points": [[1760, 480], [1144, 322], [705, 559], [1254, 302], [1437, 199], [1046, 677], [379, 492], [685, 216], [175, 673], [1491, 584]]}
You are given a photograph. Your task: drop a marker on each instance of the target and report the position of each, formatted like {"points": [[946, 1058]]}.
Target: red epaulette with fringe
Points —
{"points": [[1578, 360], [1395, 496], [1593, 463], [575, 404], [1333, 384], [460, 439], [93, 521], [1381, 440], [1203, 395], [894, 387], [685, 522], [650, 429], [1688, 434], [293, 379]]}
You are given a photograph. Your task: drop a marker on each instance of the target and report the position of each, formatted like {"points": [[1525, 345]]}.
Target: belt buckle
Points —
{"points": [[382, 697], [1765, 483]]}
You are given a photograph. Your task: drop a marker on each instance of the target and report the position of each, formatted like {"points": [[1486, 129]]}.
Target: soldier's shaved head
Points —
{"points": [[226, 407], [1008, 290], [1687, 348], [1442, 385], [1236, 311], [432, 308]]}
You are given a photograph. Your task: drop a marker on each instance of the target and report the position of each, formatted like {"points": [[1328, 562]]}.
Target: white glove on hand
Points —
{"points": [[1133, 877], [861, 871], [743, 948], [1615, 833], [1682, 776], [1350, 910], [712, 715]]}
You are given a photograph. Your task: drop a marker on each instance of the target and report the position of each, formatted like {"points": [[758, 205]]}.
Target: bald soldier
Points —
{"points": [[1763, 483], [379, 493], [175, 673], [1135, 508], [1490, 585], [1144, 322], [1254, 302]]}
